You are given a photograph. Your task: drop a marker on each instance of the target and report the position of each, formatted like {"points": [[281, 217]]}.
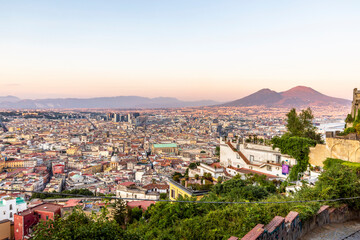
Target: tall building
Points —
{"points": [[24, 221], [355, 103], [116, 117], [10, 206]]}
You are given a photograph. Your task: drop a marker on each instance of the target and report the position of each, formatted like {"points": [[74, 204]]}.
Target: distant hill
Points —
{"points": [[9, 99], [299, 96], [121, 102]]}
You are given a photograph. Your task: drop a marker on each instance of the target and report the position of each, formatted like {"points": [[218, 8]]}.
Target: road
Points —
{"points": [[335, 231]]}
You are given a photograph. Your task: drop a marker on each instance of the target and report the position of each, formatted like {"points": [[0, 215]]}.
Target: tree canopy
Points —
{"points": [[300, 125], [181, 220]]}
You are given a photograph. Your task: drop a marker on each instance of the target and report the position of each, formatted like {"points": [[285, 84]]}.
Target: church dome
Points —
{"points": [[115, 159]]}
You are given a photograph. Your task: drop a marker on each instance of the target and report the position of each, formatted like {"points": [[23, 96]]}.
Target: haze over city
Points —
{"points": [[191, 50]]}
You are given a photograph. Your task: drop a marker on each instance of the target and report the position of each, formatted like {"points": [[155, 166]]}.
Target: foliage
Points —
{"points": [[298, 148], [120, 212], [176, 176], [207, 176], [135, 214], [82, 191], [331, 162], [300, 125], [181, 220], [163, 196], [347, 131], [217, 151], [78, 225], [349, 118], [192, 165]]}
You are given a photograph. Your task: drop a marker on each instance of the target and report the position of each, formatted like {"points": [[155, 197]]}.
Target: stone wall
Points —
{"points": [[292, 228], [344, 149]]}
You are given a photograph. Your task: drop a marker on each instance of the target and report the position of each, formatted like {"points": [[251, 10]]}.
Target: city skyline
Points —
{"points": [[189, 50]]}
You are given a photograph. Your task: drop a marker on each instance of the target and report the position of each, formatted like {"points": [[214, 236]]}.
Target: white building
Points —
{"points": [[204, 168], [10, 206], [259, 158], [133, 191]]}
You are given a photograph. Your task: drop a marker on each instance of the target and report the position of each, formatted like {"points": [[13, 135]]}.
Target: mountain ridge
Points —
{"points": [[121, 102], [299, 96]]}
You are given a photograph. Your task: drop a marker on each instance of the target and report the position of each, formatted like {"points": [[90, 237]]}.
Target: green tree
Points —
{"points": [[301, 125], [176, 176], [77, 225], [120, 212], [135, 214], [349, 118], [217, 151], [163, 196], [192, 165]]}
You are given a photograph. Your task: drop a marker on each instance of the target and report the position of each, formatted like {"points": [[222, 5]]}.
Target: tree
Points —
{"points": [[192, 165], [349, 118], [135, 214], [120, 212], [217, 151], [77, 225], [163, 196], [176, 176], [301, 125]]}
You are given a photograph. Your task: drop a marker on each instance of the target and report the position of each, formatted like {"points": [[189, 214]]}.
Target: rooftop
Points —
{"points": [[165, 145]]}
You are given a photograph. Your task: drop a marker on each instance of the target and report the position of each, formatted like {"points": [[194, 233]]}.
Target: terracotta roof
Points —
{"points": [[276, 222], [72, 203], [233, 238], [45, 207], [291, 216], [140, 204], [254, 233], [240, 153], [127, 184], [215, 164], [323, 208]]}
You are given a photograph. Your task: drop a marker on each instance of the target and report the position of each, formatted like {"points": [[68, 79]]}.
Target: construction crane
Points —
{"points": [[2, 125]]}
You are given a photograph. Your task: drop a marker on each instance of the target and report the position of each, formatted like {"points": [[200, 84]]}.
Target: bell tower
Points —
{"points": [[355, 103]]}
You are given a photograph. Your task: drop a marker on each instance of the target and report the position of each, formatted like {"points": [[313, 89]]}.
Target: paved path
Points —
{"points": [[335, 231]]}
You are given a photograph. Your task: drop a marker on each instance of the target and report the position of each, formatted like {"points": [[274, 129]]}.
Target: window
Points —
{"points": [[47, 217], [172, 193], [11, 215], [251, 158], [278, 159], [4, 212], [268, 168], [10, 206]]}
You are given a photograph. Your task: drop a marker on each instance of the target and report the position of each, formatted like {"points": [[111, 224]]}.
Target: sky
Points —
{"points": [[188, 49]]}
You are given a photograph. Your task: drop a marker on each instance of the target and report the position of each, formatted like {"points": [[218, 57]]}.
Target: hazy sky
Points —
{"points": [[195, 49]]}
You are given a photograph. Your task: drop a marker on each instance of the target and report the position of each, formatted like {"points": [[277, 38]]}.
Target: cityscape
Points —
{"points": [[171, 120]]}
